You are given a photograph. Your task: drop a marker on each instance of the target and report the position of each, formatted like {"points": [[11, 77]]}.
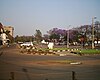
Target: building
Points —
{"points": [[9, 29], [1, 31], [1, 28], [6, 34]]}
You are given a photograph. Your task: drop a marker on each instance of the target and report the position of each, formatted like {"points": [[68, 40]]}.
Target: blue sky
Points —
{"points": [[28, 15]]}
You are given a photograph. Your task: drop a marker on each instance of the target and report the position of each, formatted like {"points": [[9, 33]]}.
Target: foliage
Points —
{"points": [[23, 38], [38, 36], [54, 36], [74, 35], [97, 31], [56, 33]]}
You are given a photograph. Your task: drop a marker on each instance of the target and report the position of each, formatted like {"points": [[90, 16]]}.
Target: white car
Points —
{"points": [[27, 44]]}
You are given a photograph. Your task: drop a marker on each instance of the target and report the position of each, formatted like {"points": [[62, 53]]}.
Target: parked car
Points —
{"points": [[27, 44]]}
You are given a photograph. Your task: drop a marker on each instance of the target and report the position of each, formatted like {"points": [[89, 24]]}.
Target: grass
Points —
{"points": [[44, 49], [56, 61], [62, 61], [59, 49], [89, 51], [83, 51]]}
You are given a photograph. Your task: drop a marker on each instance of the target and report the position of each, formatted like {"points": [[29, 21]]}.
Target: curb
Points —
{"points": [[48, 52]]}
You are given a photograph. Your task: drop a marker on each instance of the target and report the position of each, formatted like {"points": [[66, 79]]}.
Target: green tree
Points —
{"points": [[38, 36], [23, 38], [54, 36], [97, 30]]}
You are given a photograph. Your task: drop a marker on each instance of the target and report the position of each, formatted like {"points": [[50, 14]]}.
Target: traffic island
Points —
{"points": [[87, 52]]}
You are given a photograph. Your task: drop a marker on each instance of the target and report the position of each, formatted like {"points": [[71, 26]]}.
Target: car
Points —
{"points": [[27, 44]]}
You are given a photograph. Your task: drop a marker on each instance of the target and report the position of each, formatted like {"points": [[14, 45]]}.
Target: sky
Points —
{"points": [[28, 15]]}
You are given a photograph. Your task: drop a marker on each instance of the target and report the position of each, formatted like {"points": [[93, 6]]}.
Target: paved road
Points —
{"points": [[35, 67]]}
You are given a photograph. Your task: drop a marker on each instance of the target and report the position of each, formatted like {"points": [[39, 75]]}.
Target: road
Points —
{"points": [[17, 66]]}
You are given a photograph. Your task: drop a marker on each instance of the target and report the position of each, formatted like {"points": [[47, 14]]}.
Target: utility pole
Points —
{"points": [[68, 38], [93, 32]]}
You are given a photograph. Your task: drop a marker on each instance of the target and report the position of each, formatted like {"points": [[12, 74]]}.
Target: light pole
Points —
{"points": [[93, 32], [68, 38]]}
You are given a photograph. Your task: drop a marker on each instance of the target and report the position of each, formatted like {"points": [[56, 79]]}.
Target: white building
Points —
{"points": [[6, 34], [4, 38]]}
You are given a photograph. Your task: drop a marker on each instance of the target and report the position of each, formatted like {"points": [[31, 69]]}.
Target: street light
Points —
{"points": [[93, 32], [68, 38]]}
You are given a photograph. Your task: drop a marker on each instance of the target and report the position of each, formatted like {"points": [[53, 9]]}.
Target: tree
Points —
{"points": [[97, 30], [74, 35], [56, 34], [38, 36], [46, 37], [23, 38]]}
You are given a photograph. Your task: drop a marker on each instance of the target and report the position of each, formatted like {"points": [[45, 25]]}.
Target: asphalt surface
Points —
{"points": [[17, 66]]}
